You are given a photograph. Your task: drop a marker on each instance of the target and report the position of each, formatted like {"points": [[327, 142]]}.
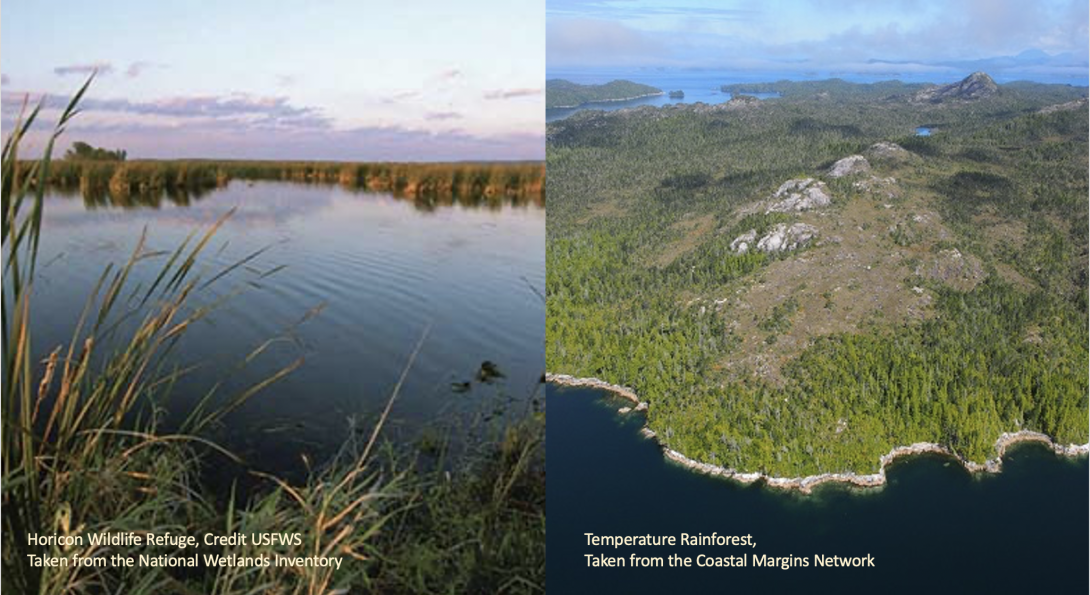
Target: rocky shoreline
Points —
{"points": [[808, 483]]}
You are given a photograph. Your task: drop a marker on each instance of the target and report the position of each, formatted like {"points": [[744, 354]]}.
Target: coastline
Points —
{"points": [[807, 483], [586, 103]]}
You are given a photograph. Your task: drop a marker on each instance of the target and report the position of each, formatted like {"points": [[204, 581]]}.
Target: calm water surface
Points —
{"points": [[933, 528], [700, 86], [372, 271]]}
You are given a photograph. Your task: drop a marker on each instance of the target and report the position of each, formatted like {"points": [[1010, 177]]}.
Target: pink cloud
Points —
{"points": [[513, 93]]}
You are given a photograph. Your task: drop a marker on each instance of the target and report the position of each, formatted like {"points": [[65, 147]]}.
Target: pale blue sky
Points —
{"points": [[411, 80], [920, 36]]}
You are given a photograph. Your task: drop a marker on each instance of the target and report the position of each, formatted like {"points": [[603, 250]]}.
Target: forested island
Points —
{"points": [[560, 93], [800, 286]]}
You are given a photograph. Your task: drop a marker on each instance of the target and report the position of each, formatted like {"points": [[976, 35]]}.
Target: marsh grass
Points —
{"points": [[83, 450], [479, 528], [465, 183]]}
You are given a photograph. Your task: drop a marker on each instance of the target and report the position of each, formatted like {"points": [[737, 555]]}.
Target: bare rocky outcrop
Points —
{"points": [[781, 238], [887, 151], [742, 243], [882, 187], [1064, 107], [974, 87], [621, 391], [800, 194], [849, 166]]}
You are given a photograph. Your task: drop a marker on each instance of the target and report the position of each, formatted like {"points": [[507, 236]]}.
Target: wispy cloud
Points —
{"points": [[513, 93], [101, 68], [815, 35], [244, 126], [242, 109], [442, 116], [139, 67], [286, 80], [144, 138], [451, 74]]}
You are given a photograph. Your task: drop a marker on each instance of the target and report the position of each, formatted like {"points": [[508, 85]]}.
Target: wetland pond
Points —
{"points": [[933, 527], [345, 282]]}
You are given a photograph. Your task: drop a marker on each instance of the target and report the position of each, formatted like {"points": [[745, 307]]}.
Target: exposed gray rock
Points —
{"points": [[886, 187], [800, 194], [974, 87], [741, 244], [783, 238], [887, 151], [851, 165]]}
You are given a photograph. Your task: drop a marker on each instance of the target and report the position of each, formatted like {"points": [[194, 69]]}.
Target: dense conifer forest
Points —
{"points": [[939, 296], [562, 93]]}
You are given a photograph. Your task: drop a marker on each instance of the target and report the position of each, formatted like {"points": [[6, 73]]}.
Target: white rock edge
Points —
{"points": [[808, 483]]}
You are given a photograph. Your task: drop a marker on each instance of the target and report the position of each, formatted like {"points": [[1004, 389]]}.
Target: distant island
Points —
{"points": [[560, 93], [677, 94]]}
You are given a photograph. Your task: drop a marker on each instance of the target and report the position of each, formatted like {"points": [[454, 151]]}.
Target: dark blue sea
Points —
{"points": [[934, 528]]}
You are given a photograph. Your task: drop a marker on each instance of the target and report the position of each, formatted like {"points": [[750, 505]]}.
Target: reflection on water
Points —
{"points": [[95, 197], [377, 270]]}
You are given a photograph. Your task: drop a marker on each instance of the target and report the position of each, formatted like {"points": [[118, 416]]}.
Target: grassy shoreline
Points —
{"points": [[84, 452], [520, 181]]}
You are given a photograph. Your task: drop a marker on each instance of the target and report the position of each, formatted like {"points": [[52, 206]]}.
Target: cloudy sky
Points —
{"points": [[1049, 37], [419, 80]]}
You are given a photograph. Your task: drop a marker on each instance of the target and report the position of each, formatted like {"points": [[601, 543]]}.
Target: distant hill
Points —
{"points": [[563, 93], [973, 87], [828, 88]]}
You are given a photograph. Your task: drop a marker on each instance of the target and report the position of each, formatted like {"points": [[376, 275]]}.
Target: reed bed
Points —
{"points": [[83, 450], [456, 181]]}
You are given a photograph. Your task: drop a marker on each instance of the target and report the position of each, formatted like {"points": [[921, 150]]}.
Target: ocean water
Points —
{"points": [[933, 528]]}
